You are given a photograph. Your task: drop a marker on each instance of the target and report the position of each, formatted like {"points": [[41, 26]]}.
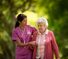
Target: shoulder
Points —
{"points": [[50, 32], [31, 27], [28, 25], [15, 29]]}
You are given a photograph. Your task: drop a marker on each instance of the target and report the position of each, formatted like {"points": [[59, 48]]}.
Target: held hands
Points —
{"points": [[58, 58], [32, 43]]}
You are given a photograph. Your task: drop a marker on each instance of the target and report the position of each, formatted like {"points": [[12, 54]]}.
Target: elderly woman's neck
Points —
{"points": [[42, 32]]}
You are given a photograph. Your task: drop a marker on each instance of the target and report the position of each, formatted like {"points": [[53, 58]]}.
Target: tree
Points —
{"points": [[55, 10]]}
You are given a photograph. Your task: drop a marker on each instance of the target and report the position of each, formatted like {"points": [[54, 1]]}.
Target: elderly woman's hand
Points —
{"points": [[32, 43], [58, 58]]}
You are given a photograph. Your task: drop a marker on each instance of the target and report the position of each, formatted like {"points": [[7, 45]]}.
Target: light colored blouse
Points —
{"points": [[40, 41]]}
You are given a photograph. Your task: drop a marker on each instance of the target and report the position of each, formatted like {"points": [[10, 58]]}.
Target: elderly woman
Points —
{"points": [[45, 46]]}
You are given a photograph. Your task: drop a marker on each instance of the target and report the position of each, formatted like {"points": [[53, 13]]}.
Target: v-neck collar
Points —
{"points": [[46, 32]]}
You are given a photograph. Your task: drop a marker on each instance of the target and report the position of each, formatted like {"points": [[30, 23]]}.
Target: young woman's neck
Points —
{"points": [[22, 27]]}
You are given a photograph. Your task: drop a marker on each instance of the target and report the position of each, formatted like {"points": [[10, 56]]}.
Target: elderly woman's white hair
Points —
{"points": [[43, 20]]}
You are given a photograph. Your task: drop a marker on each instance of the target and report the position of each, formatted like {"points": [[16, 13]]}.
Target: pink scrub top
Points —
{"points": [[24, 36]]}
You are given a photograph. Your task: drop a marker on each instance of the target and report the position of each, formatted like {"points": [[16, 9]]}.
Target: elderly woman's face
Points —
{"points": [[41, 27]]}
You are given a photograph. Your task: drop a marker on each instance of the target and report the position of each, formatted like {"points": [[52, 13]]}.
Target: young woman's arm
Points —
{"points": [[16, 39], [33, 38], [19, 43], [32, 43]]}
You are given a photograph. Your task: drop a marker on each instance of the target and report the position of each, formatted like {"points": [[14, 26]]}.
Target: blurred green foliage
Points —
{"points": [[55, 10]]}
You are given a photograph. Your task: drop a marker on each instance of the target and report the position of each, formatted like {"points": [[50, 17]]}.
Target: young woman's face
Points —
{"points": [[41, 27], [24, 22]]}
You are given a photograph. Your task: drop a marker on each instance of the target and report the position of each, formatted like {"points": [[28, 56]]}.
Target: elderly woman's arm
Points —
{"points": [[55, 46]]}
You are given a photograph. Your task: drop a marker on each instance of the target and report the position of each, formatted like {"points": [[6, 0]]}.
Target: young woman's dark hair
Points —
{"points": [[20, 18]]}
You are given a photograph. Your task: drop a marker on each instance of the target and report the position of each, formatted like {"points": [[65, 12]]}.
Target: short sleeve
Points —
{"points": [[14, 35], [33, 30]]}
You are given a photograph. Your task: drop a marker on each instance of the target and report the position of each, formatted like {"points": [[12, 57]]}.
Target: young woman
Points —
{"points": [[45, 46], [21, 35]]}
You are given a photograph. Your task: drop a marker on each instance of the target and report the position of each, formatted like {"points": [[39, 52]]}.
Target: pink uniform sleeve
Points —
{"points": [[14, 35]]}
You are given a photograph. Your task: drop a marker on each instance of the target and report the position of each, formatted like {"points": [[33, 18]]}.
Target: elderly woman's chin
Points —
{"points": [[41, 31]]}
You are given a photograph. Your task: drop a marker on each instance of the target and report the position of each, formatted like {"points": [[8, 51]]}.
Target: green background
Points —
{"points": [[56, 11]]}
